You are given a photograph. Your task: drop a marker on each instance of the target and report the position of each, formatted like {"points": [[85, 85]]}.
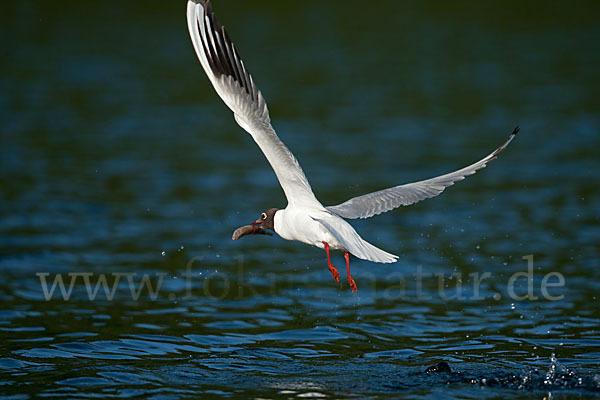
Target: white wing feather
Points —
{"points": [[371, 204], [236, 88]]}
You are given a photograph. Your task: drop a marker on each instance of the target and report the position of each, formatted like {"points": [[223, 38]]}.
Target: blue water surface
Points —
{"points": [[123, 177]]}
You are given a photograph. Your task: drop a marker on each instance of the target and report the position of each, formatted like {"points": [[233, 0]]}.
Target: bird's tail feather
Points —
{"points": [[351, 240]]}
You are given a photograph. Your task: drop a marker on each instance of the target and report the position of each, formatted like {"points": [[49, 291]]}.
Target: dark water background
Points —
{"points": [[118, 158]]}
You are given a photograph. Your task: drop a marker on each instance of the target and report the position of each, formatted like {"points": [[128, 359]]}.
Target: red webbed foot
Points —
{"points": [[350, 280], [334, 272]]}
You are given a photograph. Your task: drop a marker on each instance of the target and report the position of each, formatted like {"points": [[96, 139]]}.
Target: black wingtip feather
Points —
{"points": [[516, 130], [223, 59], [203, 3]]}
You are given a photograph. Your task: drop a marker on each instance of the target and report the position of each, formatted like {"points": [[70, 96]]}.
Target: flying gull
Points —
{"points": [[304, 219]]}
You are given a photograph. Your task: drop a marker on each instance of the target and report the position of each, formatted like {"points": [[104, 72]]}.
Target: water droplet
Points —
{"points": [[164, 253], [478, 247], [512, 306]]}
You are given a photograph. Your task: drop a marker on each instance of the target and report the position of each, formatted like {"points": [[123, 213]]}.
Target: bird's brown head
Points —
{"points": [[265, 221]]}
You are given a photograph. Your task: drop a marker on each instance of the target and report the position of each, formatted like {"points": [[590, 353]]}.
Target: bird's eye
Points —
{"points": [[263, 216]]}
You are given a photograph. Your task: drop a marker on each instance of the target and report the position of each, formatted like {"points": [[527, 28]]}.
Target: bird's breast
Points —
{"points": [[299, 226]]}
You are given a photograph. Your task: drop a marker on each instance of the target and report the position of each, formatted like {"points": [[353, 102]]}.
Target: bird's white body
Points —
{"points": [[304, 219], [316, 227], [298, 224]]}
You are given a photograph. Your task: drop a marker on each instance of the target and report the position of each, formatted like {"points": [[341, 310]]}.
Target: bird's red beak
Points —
{"points": [[256, 225]]}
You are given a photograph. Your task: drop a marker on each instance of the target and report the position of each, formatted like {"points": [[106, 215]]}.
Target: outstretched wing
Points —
{"points": [[236, 88], [381, 201]]}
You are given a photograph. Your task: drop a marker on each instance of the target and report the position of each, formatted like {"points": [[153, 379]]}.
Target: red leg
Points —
{"points": [[350, 280], [334, 272]]}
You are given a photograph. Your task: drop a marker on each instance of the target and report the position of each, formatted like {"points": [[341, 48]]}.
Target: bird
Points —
{"points": [[304, 218]]}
